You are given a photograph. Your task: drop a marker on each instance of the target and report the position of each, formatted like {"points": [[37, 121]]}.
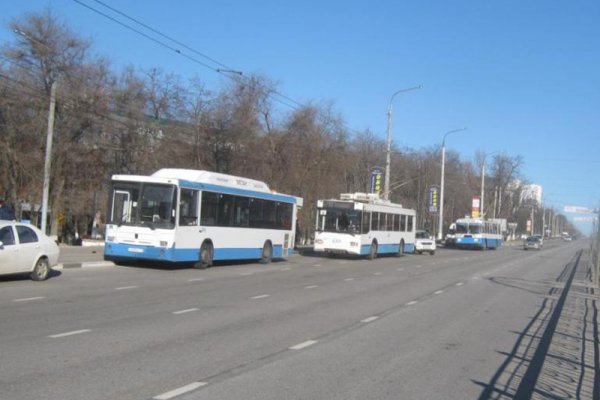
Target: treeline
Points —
{"points": [[137, 121]]}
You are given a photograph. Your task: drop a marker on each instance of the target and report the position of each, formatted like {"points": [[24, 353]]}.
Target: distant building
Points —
{"points": [[531, 193]]}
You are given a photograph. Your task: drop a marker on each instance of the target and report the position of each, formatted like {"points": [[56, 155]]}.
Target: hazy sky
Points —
{"points": [[524, 76]]}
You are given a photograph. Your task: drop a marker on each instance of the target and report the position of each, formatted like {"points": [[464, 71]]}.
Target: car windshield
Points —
{"points": [[422, 235], [533, 239]]}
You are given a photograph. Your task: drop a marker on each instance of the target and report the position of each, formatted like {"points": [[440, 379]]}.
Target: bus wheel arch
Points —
{"points": [[205, 259], [267, 253], [373, 251]]}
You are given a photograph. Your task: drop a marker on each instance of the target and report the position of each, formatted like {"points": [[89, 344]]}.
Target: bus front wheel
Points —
{"points": [[267, 253], [206, 256]]}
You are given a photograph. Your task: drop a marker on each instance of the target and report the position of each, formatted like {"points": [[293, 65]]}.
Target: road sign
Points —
{"points": [[433, 199]]}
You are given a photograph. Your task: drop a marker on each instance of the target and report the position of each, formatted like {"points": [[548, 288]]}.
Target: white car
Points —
{"points": [[24, 249], [424, 242]]}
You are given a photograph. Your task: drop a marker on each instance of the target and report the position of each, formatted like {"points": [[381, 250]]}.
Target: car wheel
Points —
{"points": [[432, 252], [267, 253], [41, 271], [206, 256]]}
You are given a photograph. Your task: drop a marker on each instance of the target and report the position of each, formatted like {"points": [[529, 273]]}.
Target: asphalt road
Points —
{"points": [[415, 327]]}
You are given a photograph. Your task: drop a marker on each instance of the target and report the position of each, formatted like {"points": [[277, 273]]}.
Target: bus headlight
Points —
{"points": [[319, 241], [353, 244], [110, 238], [163, 243]]}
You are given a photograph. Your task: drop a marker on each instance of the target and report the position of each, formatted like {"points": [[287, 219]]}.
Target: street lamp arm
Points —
{"points": [[402, 91], [452, 131]]}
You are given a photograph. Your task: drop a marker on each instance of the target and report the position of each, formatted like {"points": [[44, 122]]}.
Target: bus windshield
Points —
{"points": [[339, 220], [147, 204], [463, 227]]}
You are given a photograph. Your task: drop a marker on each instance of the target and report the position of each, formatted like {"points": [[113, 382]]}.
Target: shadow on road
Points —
{"points": [[556, 356]]}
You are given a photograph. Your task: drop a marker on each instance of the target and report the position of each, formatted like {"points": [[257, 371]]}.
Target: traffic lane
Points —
{"points": [[140, 340], [446, 347], [86, 292], [122, 301]]}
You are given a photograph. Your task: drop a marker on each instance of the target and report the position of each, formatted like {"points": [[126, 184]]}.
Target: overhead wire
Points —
{"points": [[229, 73]]}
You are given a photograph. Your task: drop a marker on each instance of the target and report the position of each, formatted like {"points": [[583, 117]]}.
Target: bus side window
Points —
{"points": [[410, 223], [366, 222], [396, 222], [403, 223], [188, 207], [208, 210]]}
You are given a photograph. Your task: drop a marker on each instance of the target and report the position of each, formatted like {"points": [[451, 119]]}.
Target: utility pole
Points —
{"points": [[48, 159]]}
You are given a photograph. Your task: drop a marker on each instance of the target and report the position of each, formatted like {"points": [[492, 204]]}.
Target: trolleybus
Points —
{"points": [[362, 224], [193, 216], [474, 233]]}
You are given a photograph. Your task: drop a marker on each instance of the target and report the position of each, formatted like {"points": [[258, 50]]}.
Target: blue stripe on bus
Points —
{"points": [[236, 191], [185, 255], [470, 242], [387, 248]]}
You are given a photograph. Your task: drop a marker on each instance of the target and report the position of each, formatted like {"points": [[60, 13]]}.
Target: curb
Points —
{"points": [[91, 264]]}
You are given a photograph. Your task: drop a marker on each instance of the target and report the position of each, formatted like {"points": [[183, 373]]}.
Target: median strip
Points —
{"points": [[180, 391]]}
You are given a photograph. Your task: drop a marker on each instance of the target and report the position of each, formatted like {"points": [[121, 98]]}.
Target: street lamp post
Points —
{"points": [[441, 221], [386, 189]]}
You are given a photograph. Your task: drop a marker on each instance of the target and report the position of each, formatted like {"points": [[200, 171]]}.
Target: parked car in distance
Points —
{"points": [[567, 238], [533, 242], [424, 242], [24, 249]]}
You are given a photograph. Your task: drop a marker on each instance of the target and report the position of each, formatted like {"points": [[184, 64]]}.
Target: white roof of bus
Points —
{"points": [[214, 178]]}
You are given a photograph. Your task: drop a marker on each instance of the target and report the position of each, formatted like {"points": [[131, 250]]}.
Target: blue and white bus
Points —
{"points": [[362, 224], [192, 216], [475, 233]]}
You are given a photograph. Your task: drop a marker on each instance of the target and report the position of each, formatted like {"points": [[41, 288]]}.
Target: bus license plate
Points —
{"points": [[135, 250]]}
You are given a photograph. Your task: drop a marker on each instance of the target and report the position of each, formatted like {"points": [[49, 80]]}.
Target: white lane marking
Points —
{"points": [[180, 391], [247, 273], [262, 296], [370, 319], [348, 279], [311, 287], [303, 345], [400, 269], [195, 279], [420, 266], [285, 269], [377, 273], [459, 284], [185, 311], [411, 303], [28, 299], [125, 287], [438, 292], [59, 335], [316, 265]]}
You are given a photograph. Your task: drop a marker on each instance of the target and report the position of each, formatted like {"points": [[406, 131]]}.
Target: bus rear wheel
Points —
{"points": [[267, 253], [206, 256]]}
